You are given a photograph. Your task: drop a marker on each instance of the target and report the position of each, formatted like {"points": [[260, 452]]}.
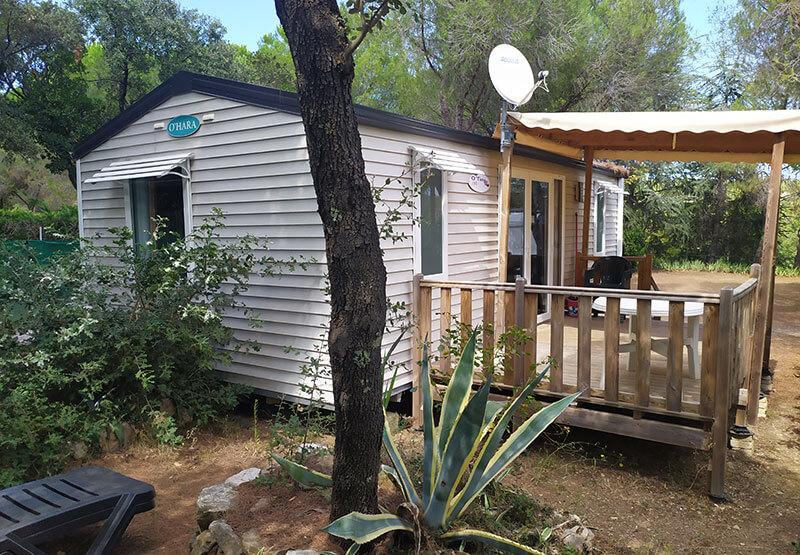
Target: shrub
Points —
{"points": [[20, 223], [108, 333]]}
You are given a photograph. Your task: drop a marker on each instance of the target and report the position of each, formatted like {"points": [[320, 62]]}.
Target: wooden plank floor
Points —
{"points": [[658, 364]]}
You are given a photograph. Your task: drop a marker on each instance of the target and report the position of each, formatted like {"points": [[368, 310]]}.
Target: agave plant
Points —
{"points": [[462, 455]]}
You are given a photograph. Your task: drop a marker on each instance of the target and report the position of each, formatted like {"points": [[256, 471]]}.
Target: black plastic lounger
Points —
{"points": [[45, 509]]}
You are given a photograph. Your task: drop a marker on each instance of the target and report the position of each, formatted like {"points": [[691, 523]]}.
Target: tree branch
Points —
{"points": [[366, 26]]}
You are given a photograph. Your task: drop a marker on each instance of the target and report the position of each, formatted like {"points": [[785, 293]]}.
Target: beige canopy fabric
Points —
{"points": [[731, 136]]}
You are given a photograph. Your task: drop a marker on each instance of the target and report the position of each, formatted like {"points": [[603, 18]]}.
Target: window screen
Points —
{"points": [[431, 221]]}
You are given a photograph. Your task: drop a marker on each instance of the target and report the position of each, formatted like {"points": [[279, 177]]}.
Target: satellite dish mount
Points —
{"points": [[512, 78]]}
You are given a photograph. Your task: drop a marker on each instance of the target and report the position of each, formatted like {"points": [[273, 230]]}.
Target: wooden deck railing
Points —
{"points": [[699, 421]]}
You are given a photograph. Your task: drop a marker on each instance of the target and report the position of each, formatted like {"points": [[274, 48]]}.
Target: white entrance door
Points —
{"points": [[535, 231]]}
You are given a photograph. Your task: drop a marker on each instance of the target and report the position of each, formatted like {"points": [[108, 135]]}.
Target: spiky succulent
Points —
{"points": [[462, 455]]}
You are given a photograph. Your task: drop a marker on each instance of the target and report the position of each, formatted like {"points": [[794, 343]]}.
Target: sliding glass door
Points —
{"points": [[535, 231]]}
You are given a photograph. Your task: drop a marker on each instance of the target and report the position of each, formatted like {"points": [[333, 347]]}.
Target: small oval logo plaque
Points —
{"points": [[183, 126]]}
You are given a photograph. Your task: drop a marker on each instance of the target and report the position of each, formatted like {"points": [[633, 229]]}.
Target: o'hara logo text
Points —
{"points": [[183, 126]]}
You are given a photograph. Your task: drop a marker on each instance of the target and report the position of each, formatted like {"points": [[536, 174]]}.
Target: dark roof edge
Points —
{"points": [[267, 97]]}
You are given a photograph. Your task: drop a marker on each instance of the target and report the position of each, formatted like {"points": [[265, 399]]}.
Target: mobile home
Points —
{"points": [[197, 143]]}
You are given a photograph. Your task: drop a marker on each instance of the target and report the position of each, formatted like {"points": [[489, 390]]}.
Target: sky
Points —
{"points": [[248, 20]]}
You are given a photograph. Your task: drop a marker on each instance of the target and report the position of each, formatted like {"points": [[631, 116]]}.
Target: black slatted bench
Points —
{"points": [[38, 511]]}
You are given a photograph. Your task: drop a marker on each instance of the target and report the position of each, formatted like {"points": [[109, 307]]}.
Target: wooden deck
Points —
{"points": [[657, 400]]}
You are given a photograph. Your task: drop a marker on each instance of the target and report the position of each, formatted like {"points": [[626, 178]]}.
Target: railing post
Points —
{"points": [[488, 331], [584, 379], [722, 397], [416, 373], [519, 322], [611, 366], [445, 312]]}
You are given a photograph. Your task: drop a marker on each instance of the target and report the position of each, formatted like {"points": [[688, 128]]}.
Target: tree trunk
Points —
{"points": [[318, 41], [797, 254]]}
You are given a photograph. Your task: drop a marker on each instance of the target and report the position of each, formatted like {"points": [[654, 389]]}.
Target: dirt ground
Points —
{"points": [[640, 497]]}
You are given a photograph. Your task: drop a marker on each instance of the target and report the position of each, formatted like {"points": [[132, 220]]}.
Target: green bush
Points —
{"points": [[106, 334], [20, 223]]}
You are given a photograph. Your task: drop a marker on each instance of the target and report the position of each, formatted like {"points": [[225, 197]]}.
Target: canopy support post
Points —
{"points": [[580, 266], [767, 267], [507, 148]]}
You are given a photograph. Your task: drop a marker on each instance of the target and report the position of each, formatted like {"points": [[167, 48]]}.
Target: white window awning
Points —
{"points": [[442, 159], [144, 167]]}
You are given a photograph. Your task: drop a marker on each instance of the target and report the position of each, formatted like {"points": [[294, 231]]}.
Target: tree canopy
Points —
{"points": [[67, 67]]}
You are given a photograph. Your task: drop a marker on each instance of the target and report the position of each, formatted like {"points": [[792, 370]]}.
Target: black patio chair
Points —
{"points": [[613, 272], [39, 511]]}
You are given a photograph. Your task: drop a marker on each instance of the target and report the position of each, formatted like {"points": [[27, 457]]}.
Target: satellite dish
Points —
{"points": [[511, 74]]}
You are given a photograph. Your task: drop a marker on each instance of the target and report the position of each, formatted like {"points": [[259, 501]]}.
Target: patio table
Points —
{"points": [[659, 308]]}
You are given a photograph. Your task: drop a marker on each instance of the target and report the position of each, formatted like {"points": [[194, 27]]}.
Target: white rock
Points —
{"points": [[246, 475], [579, 538], [302, 552], [213, 502], [227, 540]]}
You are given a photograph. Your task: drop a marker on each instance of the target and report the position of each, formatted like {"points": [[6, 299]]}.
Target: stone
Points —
{"points": [[78, 450], [112, 440], [227, 540], [251, 543], [578, 538], [270, 469], [213, 503], [746, 444], [259, 505], [762, 407], [168, 407], [203, 543], [302, 552], [246, 475]]}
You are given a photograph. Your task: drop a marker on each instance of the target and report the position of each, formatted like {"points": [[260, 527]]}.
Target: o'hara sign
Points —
{"points": [[183, 126]]}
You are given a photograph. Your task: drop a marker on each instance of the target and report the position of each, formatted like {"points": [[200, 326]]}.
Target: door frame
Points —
{"points": [[536, 175]]}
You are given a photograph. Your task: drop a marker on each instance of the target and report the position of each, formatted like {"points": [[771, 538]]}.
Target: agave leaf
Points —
{"points": [[431, 457], [510, 450], [491, 445], [303, 475], [400, 468], [388, 393], [458, 390], [353, 549], [457, 455], [363, 528], [491, 540], [493, 408]]}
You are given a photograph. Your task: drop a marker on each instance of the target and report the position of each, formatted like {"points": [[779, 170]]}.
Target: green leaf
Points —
{"points": [[463, 444], [363, 528], [490, 540], [458, 390], [431, 454], [473, 487], [511, 449], [399, 466], [303, 475], [388, 393]]}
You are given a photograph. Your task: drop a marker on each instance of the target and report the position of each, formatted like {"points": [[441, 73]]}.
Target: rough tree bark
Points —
{"points": [[324, 66]]}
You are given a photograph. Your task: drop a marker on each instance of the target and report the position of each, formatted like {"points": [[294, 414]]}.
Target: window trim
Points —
{"points": [[188, 226], [600, 191], [417, 230]]}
